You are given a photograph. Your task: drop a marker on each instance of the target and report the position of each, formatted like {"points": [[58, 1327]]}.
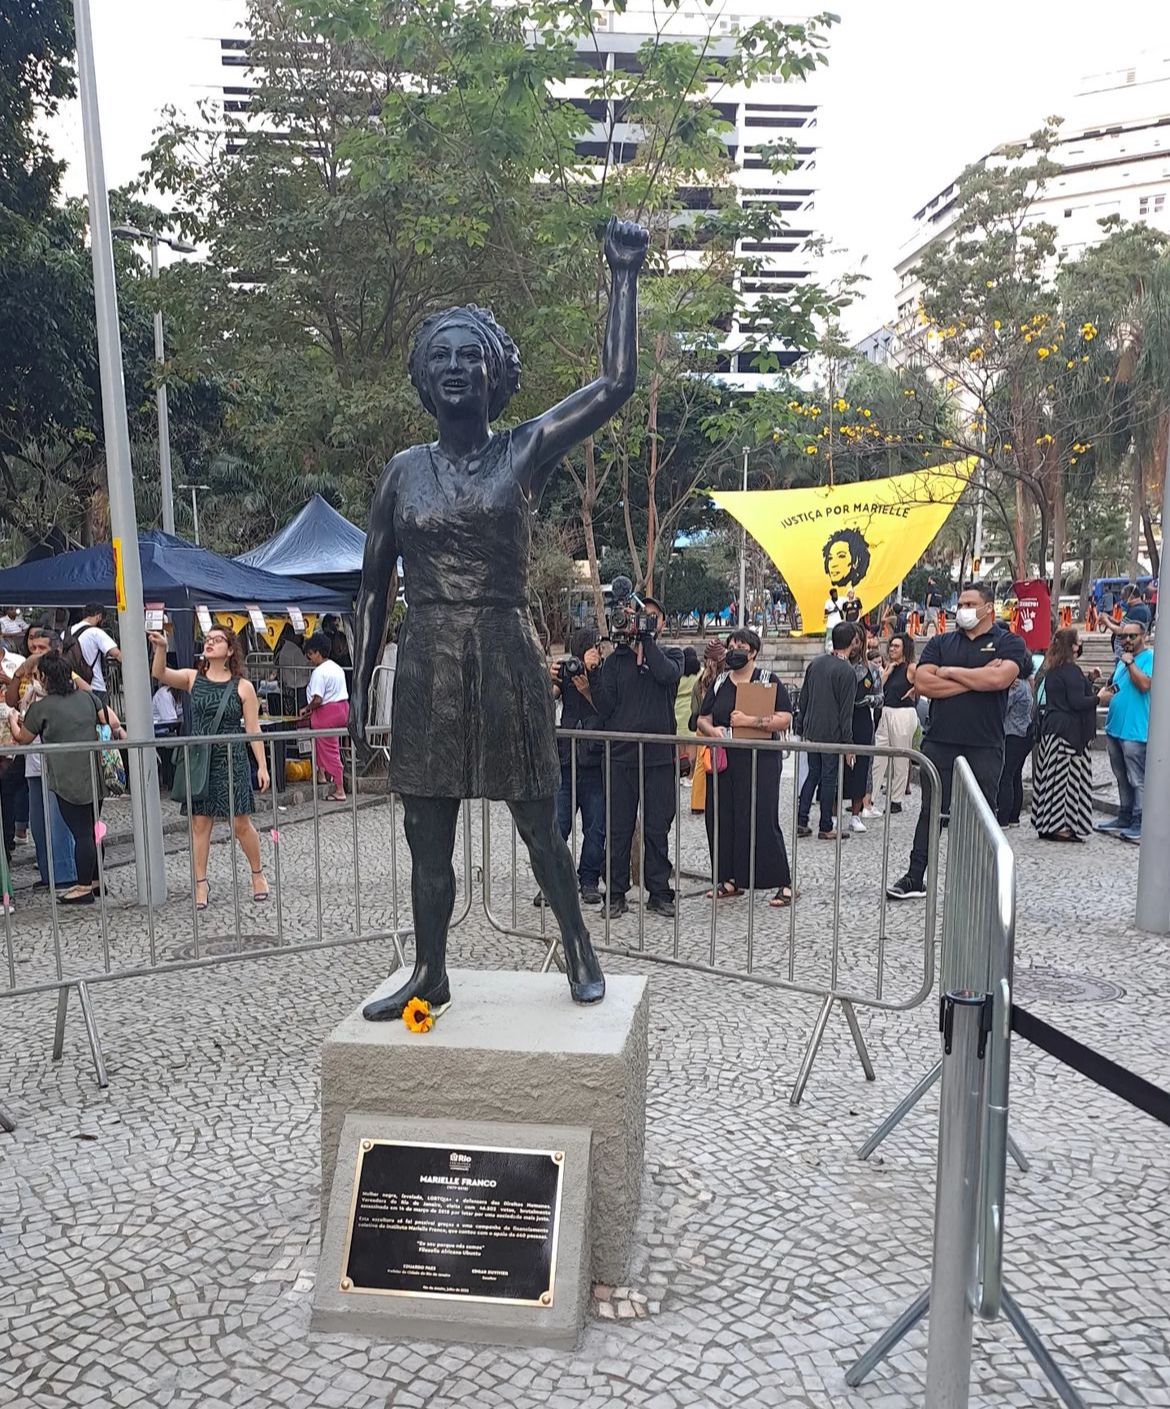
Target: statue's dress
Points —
{"points": [[473, 708]]}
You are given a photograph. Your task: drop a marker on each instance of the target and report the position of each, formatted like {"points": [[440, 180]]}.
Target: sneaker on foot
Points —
{"points": [[661, 905], [615, 905], [803, 830], [895, 807], [1113, 825], [906, 889], [832, 835], [590, 895], [1133, 834], [857, 825], [871, 812]]}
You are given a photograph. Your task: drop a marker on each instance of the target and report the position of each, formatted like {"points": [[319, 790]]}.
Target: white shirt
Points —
{"points": [[12, 625], [163, 708], [94, 644], [328, 681], [832, 613]]}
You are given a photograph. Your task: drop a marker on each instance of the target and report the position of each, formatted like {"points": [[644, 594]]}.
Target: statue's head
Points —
{"points": [[463, 362]]}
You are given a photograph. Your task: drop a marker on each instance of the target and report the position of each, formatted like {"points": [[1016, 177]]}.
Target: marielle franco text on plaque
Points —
{"points": [[469, 1222]]}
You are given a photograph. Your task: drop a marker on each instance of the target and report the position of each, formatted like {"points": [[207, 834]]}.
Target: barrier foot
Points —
{"points": [[858, 1039], [91, 1029], [7, 1120], [399, 951], [900, 1111], [810, 1052], [1021, 1160], [888, 1340], [95, 1041], [1040, 1353], [549, 958], [59, 1030]]}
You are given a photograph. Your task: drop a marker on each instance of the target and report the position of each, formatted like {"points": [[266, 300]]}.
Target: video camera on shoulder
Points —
{"points": [[628, 619]]}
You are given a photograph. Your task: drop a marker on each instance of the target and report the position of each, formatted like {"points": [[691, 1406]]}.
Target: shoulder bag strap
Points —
{"points": [[219, 713]]}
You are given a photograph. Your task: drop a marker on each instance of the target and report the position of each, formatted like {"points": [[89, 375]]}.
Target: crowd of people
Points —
{"points": [[972, 691], [53, 690]]}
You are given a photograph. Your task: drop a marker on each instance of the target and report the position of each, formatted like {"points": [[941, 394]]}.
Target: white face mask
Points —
{"points": [[967, 618]]}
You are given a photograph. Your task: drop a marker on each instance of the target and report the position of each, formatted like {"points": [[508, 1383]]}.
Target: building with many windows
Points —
{"points": [[1114, 155]]}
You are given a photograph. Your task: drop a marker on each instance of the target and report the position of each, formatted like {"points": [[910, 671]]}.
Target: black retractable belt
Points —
{"points": [[1133, 1089]]}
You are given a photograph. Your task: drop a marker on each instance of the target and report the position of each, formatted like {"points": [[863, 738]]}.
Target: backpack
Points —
{"points": [[73, 654]]}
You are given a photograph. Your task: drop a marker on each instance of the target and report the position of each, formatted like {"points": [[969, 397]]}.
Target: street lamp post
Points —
{"points": [[145, 806], [1153, 888], [195, 489], [743, 545], [132, 232]]}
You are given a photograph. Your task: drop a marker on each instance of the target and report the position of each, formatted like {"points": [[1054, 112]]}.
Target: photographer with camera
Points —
{"points": [[635, 694], [573, 682]]}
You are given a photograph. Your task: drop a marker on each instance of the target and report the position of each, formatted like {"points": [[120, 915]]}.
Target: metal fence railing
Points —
{"points": [[836, 941], [332, 879], [339, 874]]}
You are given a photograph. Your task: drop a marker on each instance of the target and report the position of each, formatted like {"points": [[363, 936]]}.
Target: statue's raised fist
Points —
{"points": [[625, 244]]}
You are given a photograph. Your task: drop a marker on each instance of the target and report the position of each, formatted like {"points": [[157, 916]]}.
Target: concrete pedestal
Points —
{"points": [[512, 1050]]}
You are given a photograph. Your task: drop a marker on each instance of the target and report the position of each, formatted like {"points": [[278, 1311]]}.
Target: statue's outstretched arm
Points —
{"points": [[539, 444], [378, 569]]}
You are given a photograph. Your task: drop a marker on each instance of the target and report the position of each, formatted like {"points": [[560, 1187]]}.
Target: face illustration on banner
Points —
{"points": [[846, 558]]}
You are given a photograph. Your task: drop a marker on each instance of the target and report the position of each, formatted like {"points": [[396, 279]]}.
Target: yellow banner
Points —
{"points": [[864, 536]]}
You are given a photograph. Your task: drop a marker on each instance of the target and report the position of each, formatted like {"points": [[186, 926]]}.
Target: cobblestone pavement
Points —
{"points": [[159, 1240]]}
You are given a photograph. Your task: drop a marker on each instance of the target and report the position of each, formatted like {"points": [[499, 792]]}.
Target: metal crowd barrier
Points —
{"points": [[315, 902], [849, 955], [838, 981], [975, 1022]]}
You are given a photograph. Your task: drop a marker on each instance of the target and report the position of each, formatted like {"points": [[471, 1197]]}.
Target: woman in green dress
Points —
{"points": [[229, 790]]}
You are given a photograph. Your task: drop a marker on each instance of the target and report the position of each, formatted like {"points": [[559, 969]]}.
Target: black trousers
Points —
{"points": [[79, 818], [1011, 781], [987, 766], [12, 784], [659, 805]]}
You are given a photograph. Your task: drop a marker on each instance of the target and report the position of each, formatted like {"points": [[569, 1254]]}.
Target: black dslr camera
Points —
{"points": [[569, 669], [627, 620]]}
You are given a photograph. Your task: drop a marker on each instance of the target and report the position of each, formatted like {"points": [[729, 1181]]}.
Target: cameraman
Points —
{"points": [[635, 694], [574, 681]]}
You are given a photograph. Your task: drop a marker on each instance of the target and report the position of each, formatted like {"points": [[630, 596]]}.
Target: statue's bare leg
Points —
{"points": [[430, 833], [552, 866]]}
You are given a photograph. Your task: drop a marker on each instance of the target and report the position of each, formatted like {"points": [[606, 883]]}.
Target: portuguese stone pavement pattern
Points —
{"points": [[158, 1240]]}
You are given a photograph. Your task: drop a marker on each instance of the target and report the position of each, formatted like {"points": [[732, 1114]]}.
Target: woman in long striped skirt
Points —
{"points": [[1062, 788]]}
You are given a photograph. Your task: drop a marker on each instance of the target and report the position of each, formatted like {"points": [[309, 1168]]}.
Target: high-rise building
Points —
{"points": [[758, 116], [1114, 155]]}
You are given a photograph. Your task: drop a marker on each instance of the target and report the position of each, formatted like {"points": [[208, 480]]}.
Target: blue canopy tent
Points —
{"points": [[174, 572], [319, 545]]}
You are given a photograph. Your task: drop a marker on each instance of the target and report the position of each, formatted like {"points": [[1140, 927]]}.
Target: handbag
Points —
{"points": [[716, 760], [113, 770], [194, 781]]}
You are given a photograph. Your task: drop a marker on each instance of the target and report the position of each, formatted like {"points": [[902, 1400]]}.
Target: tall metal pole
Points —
{"points": [[195, 511], [1153, 891], [743, 548], [164, 419], [145, 808]]}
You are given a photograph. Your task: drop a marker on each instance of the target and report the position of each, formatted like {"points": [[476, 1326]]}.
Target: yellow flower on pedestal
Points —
{"points": [[417, 1015]]}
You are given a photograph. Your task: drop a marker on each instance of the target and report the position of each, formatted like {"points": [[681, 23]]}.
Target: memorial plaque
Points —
{"points": [[467, 1222]]}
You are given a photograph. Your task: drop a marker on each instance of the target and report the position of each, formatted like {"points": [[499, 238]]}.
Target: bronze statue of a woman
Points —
{"points": [[473, 712]]}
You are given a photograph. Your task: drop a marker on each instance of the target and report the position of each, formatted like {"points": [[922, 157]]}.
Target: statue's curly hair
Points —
{"points": [[502, 355]]}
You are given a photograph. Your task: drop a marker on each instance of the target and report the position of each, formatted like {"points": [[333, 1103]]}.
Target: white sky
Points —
{"points": [[915, 89]]}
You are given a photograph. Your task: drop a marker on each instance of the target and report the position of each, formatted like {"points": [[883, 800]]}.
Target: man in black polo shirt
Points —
{"points": [[966, 675]]}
